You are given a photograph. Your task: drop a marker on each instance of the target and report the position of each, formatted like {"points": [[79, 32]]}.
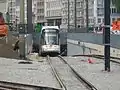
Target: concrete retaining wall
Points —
{"points": [[94, 38], [89, 43]]}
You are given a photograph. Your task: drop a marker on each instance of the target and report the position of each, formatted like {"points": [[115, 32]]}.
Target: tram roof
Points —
{"points": [[46, 27]]}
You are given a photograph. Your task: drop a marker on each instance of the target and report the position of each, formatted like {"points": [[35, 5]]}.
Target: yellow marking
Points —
{"points": [[35, 57]]}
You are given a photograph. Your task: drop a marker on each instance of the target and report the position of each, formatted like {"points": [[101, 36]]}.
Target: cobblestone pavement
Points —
{"points": [[94, 72], [37, 73], [67, 76]]}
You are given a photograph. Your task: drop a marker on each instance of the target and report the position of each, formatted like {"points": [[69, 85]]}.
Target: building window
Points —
{"points": [[99, 20], [113, 10], [103, 19], [100, 2], [100, 11], [90, 12], [113, 19]]}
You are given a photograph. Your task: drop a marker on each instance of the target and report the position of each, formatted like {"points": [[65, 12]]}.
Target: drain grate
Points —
{"points": [[25, 62]]}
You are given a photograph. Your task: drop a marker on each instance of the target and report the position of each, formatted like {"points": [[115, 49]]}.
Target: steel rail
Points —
{"points": [[101, 57], [78, 76], [63, 87], [5, 85]]}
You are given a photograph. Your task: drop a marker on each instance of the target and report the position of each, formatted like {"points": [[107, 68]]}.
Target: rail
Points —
{"points": [[63, 87], [4, 85], [87, 84], [79, 77], [112, 59]]}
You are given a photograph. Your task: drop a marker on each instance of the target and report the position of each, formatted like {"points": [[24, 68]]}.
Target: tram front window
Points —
{"points": [[51, 38]]}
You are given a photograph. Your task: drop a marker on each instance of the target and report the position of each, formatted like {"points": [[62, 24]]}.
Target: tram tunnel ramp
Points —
{"points": [[6, 49], [63, 43]]}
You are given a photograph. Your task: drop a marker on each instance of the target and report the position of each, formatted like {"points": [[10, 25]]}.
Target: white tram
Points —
{"points": [[49, 40]]}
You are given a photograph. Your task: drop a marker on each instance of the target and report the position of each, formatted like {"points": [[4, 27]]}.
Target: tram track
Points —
{"points": [[112, 59], [62, 86], [4, 85], [81, 82]]}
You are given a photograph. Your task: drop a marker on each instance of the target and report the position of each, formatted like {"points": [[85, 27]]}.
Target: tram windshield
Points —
{"points": [[51, 37]]}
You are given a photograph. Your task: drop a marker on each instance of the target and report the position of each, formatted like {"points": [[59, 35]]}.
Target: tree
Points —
{"points": [[117, 4], [38, 28]]}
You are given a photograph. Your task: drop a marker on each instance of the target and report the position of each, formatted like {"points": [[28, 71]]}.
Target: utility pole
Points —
{"points": [[87, 19], [22, 9], [11, 10], [22, 30], [29, 17], [107, 34], [75, 15], [68, 15]]}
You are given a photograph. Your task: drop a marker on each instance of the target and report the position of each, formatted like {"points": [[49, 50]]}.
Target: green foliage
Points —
{"points": [[117, 4], [38, 28]]}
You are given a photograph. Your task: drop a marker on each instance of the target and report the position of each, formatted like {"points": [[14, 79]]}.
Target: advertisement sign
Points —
{"points": [[116, 25]]}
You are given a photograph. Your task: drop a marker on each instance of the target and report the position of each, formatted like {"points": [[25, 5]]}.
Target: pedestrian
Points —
{"points": [[16, 46]]}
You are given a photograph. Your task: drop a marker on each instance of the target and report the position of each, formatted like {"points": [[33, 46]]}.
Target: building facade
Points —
{"points": [[40, 13], [99, 12], [34, 9], [11, 6], [79, 13], [3, 7], [37, 9], [53, 9], [55, 12]]}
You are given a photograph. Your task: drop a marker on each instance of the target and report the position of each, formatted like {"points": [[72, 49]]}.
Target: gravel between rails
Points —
{"points": [[37, 73], [70, 81], [94, 72]]}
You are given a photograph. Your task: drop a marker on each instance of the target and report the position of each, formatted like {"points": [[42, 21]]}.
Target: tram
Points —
{"points": [[49, 40]]}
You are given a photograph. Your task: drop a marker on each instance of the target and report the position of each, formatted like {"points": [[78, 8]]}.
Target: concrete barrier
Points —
{"points": [[93, 48], [26, 43]]}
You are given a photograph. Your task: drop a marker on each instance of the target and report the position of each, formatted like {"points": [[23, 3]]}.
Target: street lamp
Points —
{"points": [[107, 34], [68, 15], [29, 17], [11, 10], [75, 16], [87, 19]]}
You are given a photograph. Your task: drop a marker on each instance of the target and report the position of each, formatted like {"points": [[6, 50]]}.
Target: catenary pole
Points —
{"points": [[107, 34]]}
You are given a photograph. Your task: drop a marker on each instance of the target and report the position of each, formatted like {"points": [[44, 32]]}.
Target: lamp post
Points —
{"points": [[11, 10], [22, 8], [87, 19], [22, 30], [75, 15], [107, 34], [68, 15], [29, 17]]}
